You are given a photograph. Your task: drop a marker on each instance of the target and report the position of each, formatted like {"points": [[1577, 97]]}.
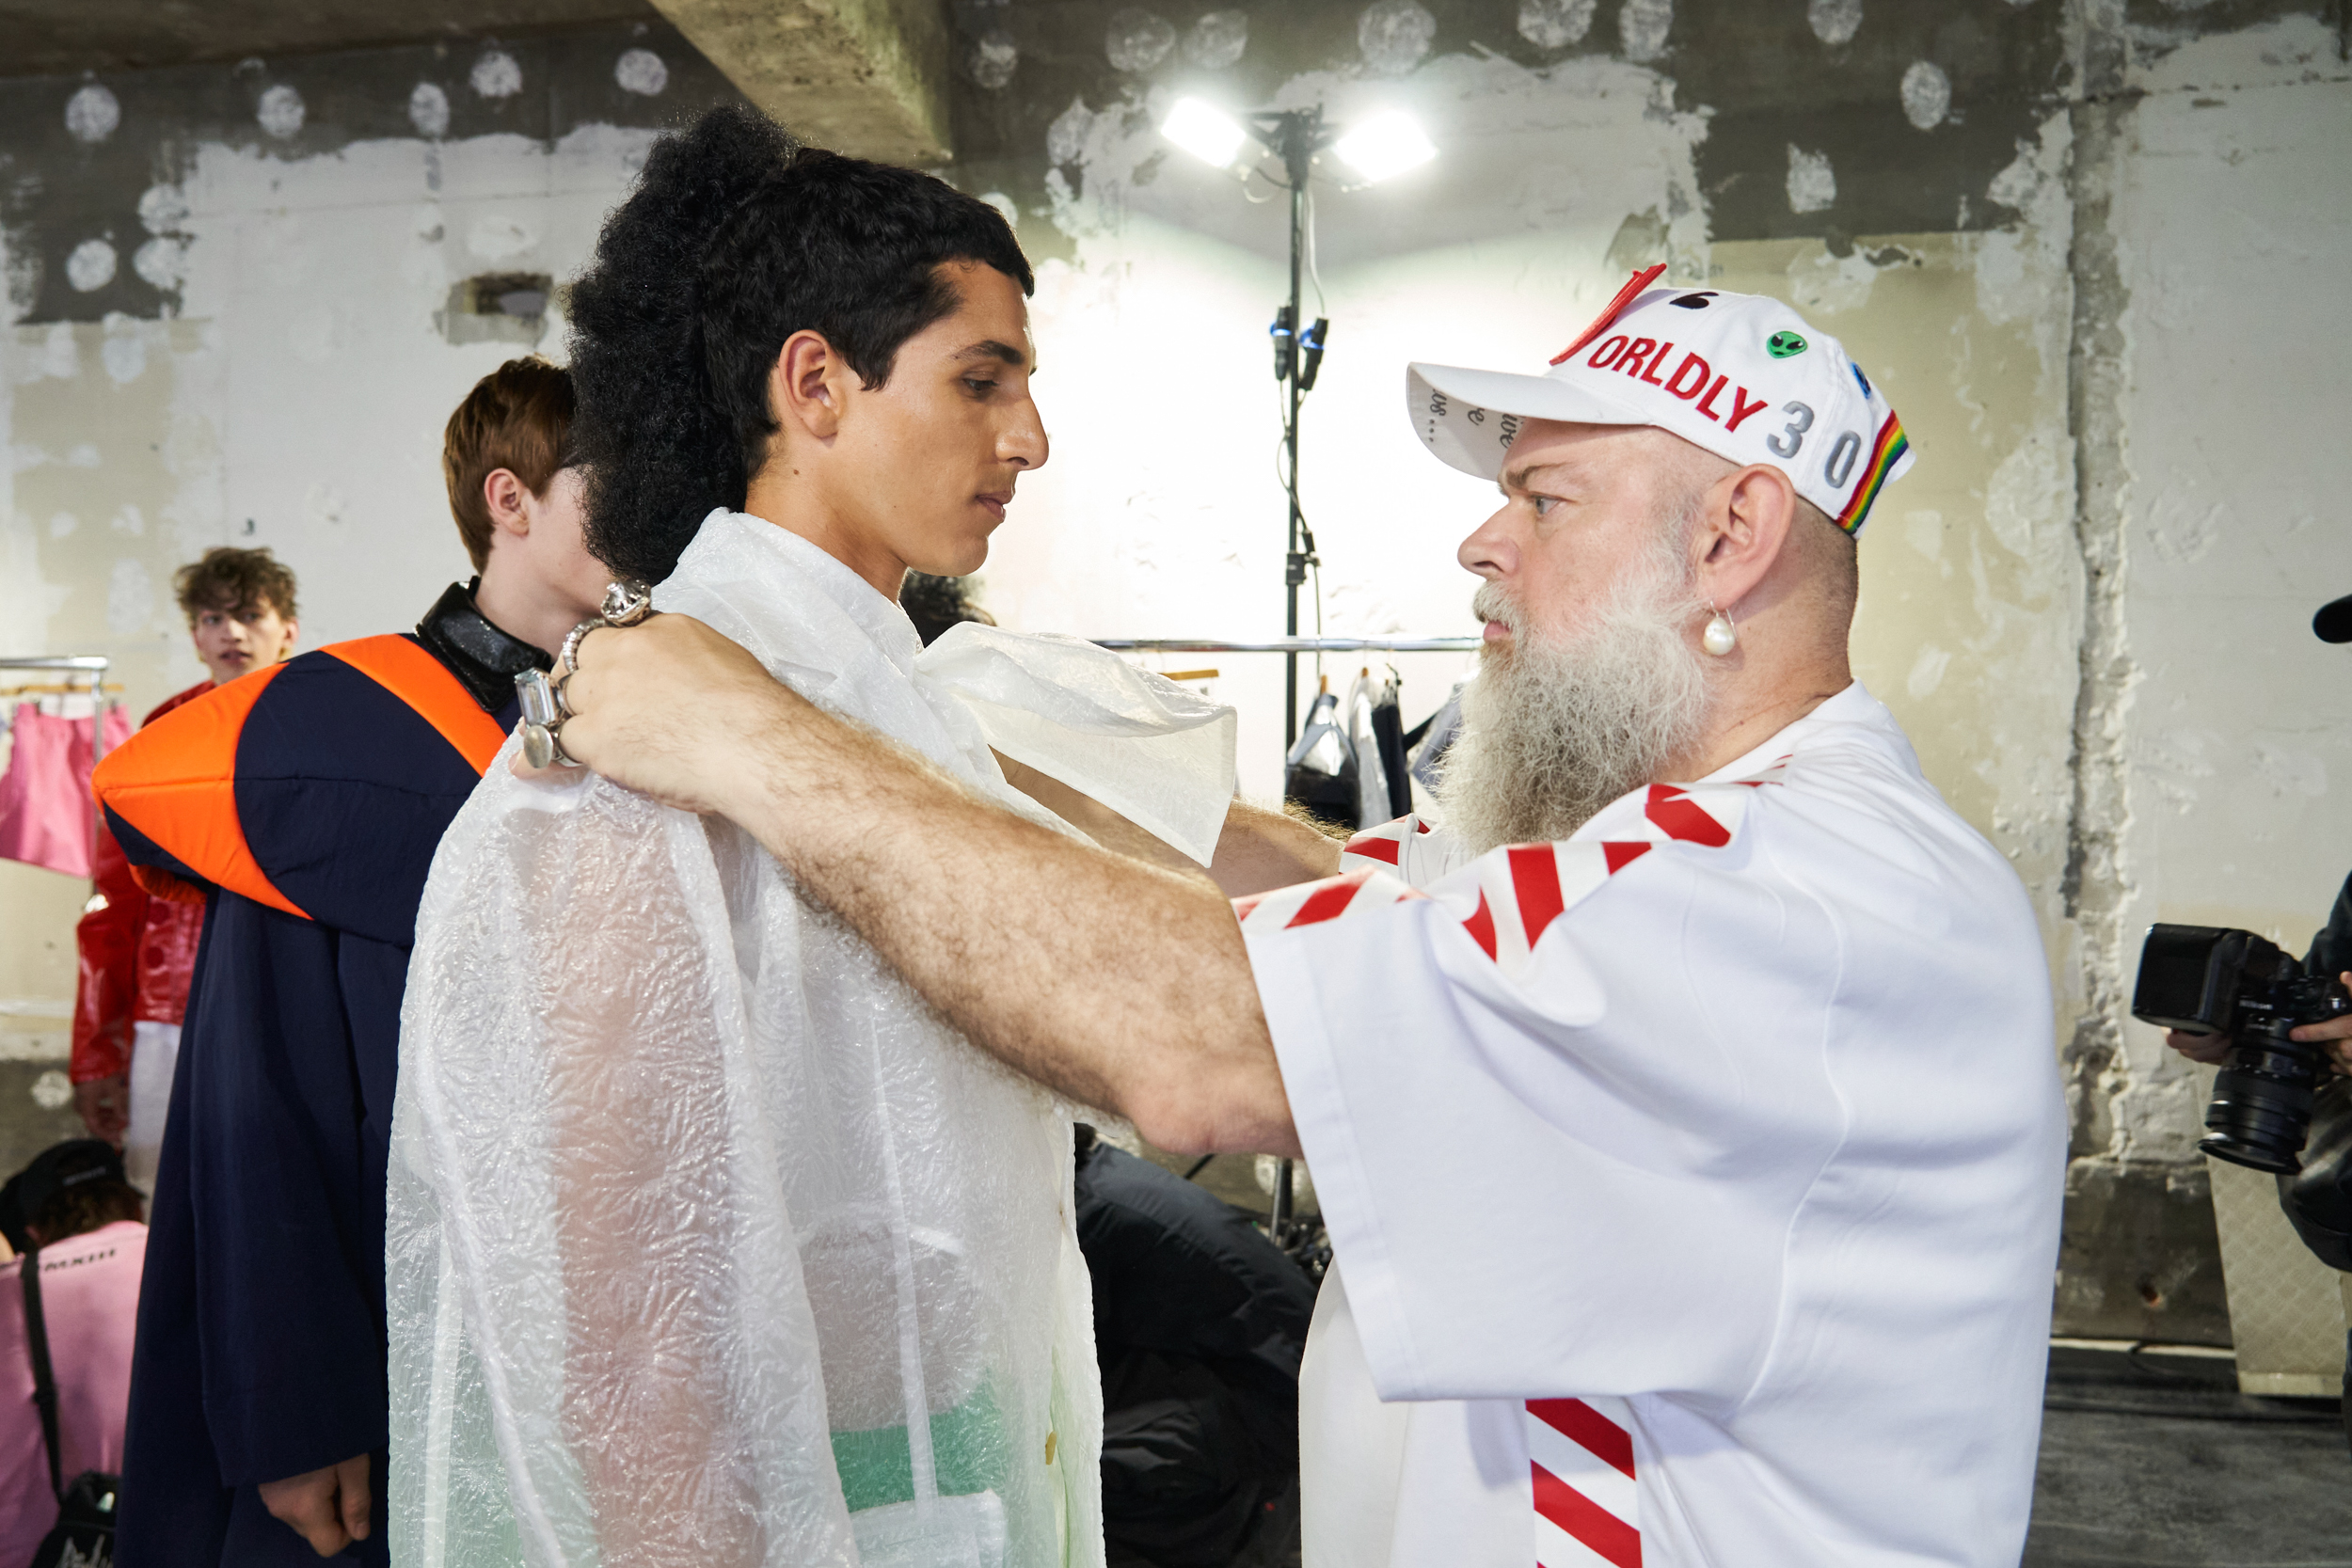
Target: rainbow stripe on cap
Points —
{"points": [[1885, 454]]}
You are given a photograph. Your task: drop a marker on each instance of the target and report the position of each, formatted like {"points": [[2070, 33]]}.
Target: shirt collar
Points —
{"points": [[876, 616], [485, 660]]}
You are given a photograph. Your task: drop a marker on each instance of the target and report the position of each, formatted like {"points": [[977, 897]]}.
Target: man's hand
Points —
{"points": [[105, 1107], [327, 1508], [2336, 1035], [664, 708]]}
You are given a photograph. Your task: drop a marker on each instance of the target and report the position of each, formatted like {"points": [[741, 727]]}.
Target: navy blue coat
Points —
{"points": [[308, 806]]}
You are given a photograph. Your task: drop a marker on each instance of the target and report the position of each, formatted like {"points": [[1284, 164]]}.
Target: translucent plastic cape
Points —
{"points": [[692, 1200]]}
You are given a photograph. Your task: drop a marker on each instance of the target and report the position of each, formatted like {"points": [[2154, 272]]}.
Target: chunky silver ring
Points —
{"points": [[559, 688], [626, 601], [543, 712], [568, 661]]}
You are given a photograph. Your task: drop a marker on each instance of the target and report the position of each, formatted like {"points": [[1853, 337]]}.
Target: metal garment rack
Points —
{"points": [[1278, 1222], [95, 666]]}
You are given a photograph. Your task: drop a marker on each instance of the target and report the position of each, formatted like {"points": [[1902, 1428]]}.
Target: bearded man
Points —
{"points": [[1684, 1108]]}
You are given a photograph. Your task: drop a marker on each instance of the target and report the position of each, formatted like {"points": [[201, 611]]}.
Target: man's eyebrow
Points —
{"points": [[988, 348], [1517, 479]]}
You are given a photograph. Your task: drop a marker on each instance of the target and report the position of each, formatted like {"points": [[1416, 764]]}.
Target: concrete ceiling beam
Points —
{"points": [[867, 78]]}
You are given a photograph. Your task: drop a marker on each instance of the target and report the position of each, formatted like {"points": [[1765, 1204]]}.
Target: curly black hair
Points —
{"points": [[736, 237]]}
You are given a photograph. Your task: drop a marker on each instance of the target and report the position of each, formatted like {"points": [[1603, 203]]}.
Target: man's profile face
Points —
{"points": [[937, 449], [239, 641], [1581, 506]]}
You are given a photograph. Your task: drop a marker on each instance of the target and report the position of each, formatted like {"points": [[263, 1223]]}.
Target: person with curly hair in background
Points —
{"points": [[137, 951], [708, 1241]]}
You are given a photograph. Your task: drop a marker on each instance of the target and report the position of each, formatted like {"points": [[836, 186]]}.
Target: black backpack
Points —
{"points": [[84, 1536]]}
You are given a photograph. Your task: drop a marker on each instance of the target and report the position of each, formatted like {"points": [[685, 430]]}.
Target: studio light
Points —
{"points": [[1384, 145], [1206, 132]]}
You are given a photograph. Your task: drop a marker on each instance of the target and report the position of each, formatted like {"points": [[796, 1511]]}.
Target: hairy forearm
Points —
{"points": [[1117, 982], [1257, 850]]}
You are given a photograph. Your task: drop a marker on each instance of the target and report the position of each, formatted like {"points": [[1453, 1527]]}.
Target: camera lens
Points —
{"points": [[2261, 1111]]}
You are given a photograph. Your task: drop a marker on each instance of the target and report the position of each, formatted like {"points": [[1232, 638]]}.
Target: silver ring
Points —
{"points": [[568, 661], [626, 601], [543, 747], [563, 710]]}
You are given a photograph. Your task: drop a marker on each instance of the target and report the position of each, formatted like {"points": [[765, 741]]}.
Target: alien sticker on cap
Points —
{"points": [[1784, 345]]}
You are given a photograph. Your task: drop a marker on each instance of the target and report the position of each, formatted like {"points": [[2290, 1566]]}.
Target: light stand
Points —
{"points": [[1294, 136]]}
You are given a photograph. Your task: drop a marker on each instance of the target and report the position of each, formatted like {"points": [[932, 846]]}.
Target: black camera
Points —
{"points": [[2213, 981]]}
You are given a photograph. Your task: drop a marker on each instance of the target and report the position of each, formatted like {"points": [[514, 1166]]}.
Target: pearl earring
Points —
{"points": [[1720, 637]]}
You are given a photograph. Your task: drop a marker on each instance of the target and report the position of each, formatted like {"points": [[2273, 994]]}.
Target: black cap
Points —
{"points": [[53, 1170], [2334, 623]]}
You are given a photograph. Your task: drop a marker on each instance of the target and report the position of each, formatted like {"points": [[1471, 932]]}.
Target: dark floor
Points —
{"points": [[2156, 1460]]}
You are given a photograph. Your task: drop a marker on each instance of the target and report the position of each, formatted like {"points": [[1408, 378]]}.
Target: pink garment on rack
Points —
{"points": [[46, 817]]}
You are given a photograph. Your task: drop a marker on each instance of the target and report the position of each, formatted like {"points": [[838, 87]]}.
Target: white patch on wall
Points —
{"points": [[993, 59], [1219, 39], [496, 75], [1834, 22], [500, 238], [1004, 204], [130, 520], [280, 111], [1820, 282], [162, 263], [124, 352], [1926, 671], [1923, 532], [61, 525], [1137, 39], [60, 353], [1555, 23], [83, 455], [91, 115], [1926, 95], [130, 598], [2033, 485], [2178, 533], [643, 73], [53, 1090], [1393, 35], [1812, 184], [428, 110], [163, 210], [1065, 139], [1642, 26], [91, 267]]}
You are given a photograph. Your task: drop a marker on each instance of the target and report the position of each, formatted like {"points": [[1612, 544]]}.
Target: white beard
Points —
{"points": [[1553, 730]]}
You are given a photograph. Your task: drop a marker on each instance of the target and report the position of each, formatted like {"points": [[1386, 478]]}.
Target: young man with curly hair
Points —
{"points": [[305, 805], [137, 951]]}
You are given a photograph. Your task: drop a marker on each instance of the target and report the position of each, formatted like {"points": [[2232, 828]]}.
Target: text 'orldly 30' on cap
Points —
{"points": [[1741, 375]]}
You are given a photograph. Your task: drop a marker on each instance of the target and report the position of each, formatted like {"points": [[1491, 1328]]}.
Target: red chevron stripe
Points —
{"points": [[1588, 1429], [1481, 925], [1328, 900], [1535, 884], [1373, 849], [1619, 856], [1608, 1536], [1681, 817]]}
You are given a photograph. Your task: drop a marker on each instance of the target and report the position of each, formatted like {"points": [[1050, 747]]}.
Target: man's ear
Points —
{"points": [[808, 385], [1743, 527], [504, 493]]}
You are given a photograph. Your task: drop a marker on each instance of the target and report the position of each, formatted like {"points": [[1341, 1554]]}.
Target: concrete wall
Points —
{"points": [[2086, 249]]}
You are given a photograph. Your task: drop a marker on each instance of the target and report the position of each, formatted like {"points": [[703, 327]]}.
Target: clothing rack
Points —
{"points": [[1291, 645], [94, 666], [1283, 1230]]}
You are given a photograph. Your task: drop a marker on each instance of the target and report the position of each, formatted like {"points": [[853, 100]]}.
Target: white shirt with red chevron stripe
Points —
{"points": [[1694, 1183]]}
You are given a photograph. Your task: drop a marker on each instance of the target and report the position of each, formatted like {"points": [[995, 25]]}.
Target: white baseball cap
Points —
{"points": [[1741, 375]]}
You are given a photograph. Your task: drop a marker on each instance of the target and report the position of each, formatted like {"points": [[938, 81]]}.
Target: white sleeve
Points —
{"points": [[1561, 1114]]}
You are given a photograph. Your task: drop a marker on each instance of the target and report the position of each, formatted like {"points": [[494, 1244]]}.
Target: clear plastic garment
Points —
{"points": [[693, 1202]]}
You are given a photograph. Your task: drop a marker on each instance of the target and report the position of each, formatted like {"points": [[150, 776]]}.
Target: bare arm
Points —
{"points": [[1120, 983], [1256, 850]]}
